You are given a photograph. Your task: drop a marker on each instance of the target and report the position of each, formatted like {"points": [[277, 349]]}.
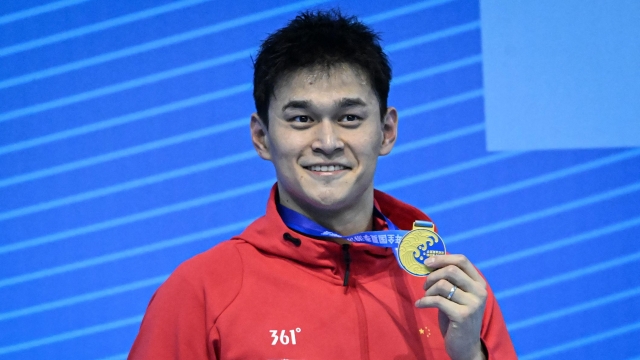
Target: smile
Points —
{"points": [[326, 168]]}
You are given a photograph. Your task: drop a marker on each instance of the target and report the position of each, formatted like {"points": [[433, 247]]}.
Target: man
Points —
{"points": [[294, 284]]}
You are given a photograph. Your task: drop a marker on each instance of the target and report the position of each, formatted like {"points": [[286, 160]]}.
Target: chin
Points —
{"points": [[331, 200]]}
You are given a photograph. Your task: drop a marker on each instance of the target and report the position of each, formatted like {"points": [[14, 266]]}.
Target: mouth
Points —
{"points": [[326, 168]]}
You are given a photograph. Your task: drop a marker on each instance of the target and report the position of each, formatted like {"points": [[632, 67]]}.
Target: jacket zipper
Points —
{"points": [[363, 328], [347, 263]]}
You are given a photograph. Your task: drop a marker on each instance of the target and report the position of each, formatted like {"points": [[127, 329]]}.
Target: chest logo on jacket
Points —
{"points": [[425, 331], [284, 337]]}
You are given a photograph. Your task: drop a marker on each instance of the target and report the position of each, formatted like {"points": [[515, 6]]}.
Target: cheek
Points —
{"points": [[369, 149], [285, 155], [372, 158], [287, 150]]}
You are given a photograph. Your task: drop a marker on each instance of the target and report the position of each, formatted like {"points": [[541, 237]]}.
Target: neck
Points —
{"points": [[344, 220]]}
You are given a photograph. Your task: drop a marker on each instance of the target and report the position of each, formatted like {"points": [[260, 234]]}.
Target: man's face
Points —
{"points": [[324, 138]]}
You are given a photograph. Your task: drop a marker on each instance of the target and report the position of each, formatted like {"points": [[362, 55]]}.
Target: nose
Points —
{"points": [[328, 138]]}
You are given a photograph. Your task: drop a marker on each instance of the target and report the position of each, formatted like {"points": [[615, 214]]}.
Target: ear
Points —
{"points": [[389, 130], [259, 137]]}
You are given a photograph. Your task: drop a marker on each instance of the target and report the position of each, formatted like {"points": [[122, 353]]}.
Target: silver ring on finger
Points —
{"points": [[453, 290]]}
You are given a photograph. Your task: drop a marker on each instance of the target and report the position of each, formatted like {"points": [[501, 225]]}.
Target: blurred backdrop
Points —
{"points": [[125, 150]]}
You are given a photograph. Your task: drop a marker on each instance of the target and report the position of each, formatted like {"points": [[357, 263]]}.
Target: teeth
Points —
{"points": [[325, 168]]}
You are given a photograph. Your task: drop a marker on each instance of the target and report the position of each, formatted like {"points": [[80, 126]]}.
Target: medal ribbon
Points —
{"points": [[383, 238]]}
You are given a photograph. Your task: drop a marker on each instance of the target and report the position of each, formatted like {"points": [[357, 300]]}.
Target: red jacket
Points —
{"points": [[260, 296]]}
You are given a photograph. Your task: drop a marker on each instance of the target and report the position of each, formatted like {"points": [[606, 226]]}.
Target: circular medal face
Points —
{"points": [[415, 247]]}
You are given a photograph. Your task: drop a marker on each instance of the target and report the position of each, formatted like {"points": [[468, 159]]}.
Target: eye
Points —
{"points": [[350, 118], [301, 119]]}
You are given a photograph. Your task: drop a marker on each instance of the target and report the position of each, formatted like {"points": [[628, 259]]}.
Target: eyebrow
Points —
{"points": [[349, 102], [297, 104], [342, 103]]}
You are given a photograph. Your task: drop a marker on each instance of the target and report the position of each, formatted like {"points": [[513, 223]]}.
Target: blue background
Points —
{"points": [[561, 74], [124, 150]]}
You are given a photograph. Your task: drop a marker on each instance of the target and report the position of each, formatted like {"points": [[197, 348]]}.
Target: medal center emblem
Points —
{"points": [[415, 247]]}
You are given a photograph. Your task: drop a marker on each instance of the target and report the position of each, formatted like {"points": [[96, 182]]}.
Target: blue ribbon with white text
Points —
{"points": [[383, 238]]}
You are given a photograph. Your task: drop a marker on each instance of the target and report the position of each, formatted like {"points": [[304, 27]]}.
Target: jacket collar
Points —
{"points": [[326, 258]]}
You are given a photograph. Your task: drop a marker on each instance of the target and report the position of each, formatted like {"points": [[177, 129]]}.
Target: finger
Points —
{"points": [[443, 288], [453, 310], [461, 261], [455, 276]]}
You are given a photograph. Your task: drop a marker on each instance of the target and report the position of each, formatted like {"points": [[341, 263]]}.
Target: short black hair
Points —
{"points": [[319, 38]]}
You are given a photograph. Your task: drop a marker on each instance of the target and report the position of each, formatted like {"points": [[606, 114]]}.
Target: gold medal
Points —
{"points": [[417, 245]]}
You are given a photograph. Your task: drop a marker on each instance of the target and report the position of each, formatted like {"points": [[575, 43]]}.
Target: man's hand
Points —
{"points": [[460, 317]]}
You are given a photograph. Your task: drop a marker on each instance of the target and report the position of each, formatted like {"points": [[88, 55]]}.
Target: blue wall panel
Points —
{"points": [[125, 150], [561, 74]]}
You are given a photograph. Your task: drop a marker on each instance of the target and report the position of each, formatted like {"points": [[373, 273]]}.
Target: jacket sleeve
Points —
{"points": [[174, 325], [494, 332]]}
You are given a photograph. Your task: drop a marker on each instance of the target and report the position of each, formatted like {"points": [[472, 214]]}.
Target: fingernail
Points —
{"points": [[430, 260]]}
